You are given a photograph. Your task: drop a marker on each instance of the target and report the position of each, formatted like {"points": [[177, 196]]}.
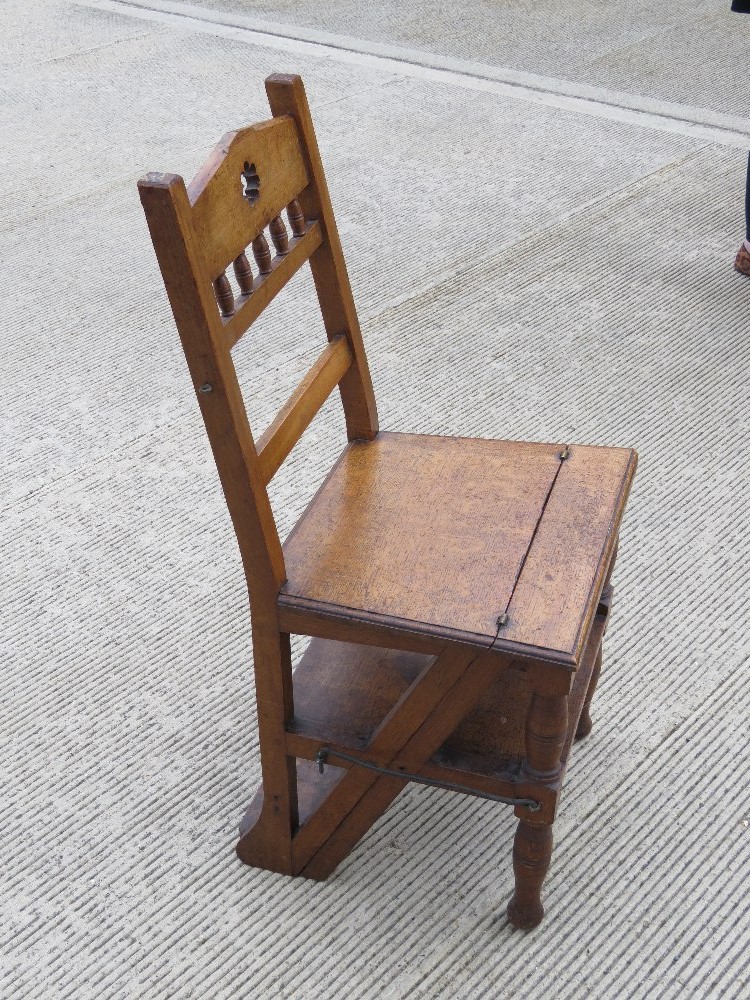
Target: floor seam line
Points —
{"points": [[635, 109]]}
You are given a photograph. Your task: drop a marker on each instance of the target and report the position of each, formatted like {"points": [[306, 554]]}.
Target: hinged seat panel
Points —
{"points": [[557, 592], [430, 530], [448, 534]]}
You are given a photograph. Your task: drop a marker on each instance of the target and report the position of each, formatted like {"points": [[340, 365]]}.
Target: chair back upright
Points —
{"points": [[219, 220]]}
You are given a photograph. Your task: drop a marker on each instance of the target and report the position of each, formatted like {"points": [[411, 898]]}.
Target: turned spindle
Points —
{"points": [[279, 235], [262, 254], [296, 218], [224, 295], [532, 851], [243, 274], [546, 729]]}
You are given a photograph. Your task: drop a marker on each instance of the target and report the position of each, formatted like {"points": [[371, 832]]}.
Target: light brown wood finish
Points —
{"points": [[557, 593], [169, 215], [224, 295], [262, 254], [250, 178], [296, 217], [223, 221], [447, 534], [422, 529], [279, 236], [343, 690], [337, 623], [243, 273], [286, 95], [267, 286], [288, 427], [420, 698], [459, 689], [458, 589]]}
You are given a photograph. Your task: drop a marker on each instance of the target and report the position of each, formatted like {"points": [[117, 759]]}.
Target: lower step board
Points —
{"points": [[342, 692]]}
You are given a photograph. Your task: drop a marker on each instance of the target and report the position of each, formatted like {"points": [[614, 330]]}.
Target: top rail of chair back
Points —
{"points": [[251, 175]]}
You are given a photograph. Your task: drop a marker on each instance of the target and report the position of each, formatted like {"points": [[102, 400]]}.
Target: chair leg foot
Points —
{"points": [[262, 844], [532, 851], [585, 723]]}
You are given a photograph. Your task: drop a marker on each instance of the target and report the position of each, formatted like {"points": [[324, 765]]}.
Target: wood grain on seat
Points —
{"points": [[445, 535]]}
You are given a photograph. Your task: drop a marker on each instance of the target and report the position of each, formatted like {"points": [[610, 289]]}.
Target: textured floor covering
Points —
{"points": [[517, 275]]}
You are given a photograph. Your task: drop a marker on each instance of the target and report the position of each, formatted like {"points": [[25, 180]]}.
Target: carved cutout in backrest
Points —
{"points": [[249, 178]]}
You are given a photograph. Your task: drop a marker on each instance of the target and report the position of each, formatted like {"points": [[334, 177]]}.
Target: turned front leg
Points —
{"points": [[532, 851], [546, 728]]}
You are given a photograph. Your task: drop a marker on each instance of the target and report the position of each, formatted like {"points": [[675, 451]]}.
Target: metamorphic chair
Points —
{"points": [[456, 590]]}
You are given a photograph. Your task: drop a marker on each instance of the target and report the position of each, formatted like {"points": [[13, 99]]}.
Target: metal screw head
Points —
{"points": [[502, 620], [206, 387]]}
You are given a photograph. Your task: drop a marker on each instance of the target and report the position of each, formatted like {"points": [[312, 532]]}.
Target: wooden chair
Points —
{"points": [[457, 590]]}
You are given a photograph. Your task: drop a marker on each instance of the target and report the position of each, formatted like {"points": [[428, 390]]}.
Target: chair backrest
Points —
{"points": [[197, 232]]}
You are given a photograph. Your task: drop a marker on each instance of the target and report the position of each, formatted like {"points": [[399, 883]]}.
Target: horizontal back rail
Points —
{"points": [[247, 307], [297, 413], [249, 178]]}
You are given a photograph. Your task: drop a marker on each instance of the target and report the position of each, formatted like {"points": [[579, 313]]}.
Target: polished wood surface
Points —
{"points": [[448, 534], [559, 588], [343, 690], [286, 95], [429, 530], [262, 253], [296, 217], [457, 589], [296, 414], [243, 273], [279, 236], [223, 221], [266, 287]]}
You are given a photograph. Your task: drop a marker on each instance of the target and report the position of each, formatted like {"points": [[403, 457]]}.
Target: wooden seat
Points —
{"points": [[456, 591], [441, 536]]}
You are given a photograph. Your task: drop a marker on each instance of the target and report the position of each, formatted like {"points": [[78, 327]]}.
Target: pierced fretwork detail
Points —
{"points": [[296, 218], [262, 254], [224, 295], [243, 274], [250, 183], [279, 236]]}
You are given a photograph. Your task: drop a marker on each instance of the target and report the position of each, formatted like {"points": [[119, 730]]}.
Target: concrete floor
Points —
{"points": [[526, 265], [694, 54]]}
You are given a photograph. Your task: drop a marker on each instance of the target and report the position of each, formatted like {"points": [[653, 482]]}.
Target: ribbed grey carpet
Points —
{"points": [[521, 271]]}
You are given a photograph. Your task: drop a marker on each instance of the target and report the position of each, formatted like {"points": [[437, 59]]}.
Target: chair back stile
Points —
{"points": [[219, 220]]}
